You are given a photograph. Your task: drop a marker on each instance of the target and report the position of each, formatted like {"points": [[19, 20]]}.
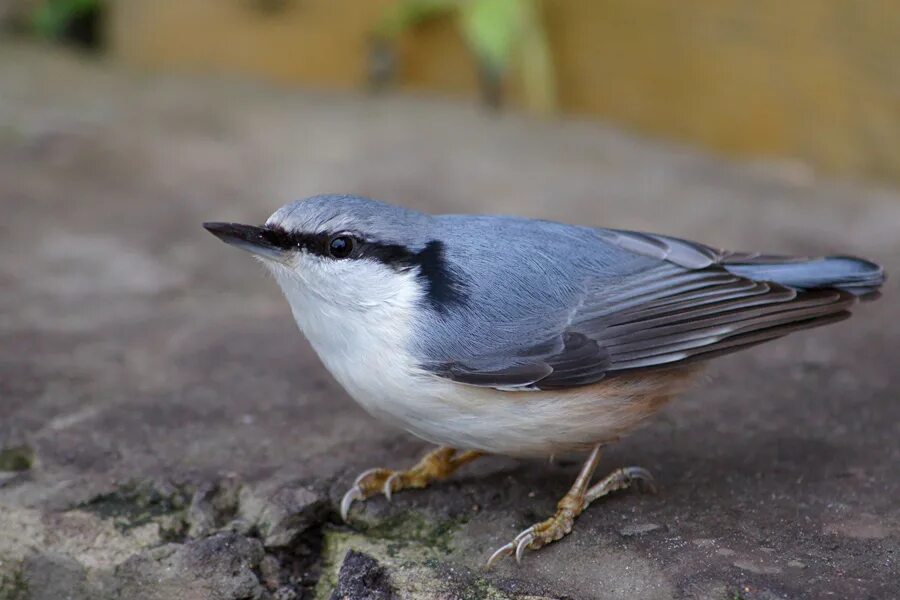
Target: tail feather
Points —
{"points": [[857, 276]]}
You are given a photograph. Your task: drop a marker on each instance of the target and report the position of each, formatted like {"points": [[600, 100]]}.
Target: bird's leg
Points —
{"points": [[572, 505], [438, 464], [567, 510]]}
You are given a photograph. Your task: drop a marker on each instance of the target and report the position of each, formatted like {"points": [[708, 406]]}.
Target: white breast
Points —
{"points": [[365, 345], [360, 327]]}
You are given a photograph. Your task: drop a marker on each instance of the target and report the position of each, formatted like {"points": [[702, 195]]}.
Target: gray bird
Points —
{"points": [[513, 336]]}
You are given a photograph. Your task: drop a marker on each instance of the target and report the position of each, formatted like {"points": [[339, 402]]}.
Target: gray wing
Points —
{"points": [[687, 306]]}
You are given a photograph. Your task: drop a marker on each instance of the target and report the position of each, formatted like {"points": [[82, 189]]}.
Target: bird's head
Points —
{"points": [[346, 253]]}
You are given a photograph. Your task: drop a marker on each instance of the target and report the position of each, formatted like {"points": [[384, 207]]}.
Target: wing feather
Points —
{"points": [[686, 307]]}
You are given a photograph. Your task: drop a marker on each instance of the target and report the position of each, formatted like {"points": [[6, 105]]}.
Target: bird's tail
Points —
{"points": [[857, 276]]}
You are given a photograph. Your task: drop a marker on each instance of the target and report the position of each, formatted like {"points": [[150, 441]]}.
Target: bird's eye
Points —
{"points": [[341, 246]]}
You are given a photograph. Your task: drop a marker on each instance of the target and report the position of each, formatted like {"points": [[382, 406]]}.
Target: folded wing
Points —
{"points": [[694, 304]]}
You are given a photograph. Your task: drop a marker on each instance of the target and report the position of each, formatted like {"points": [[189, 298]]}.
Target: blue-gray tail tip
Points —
{"points": [[858, 276]]}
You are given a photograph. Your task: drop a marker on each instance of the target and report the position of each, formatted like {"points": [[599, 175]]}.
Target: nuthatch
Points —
{"points": [[504, 335]]}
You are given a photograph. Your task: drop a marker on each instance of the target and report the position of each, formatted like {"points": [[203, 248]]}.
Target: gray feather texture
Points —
{"points": [[546, 305]]}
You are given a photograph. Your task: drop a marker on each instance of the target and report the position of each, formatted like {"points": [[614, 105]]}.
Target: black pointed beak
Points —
{"points": [[256, 240]]}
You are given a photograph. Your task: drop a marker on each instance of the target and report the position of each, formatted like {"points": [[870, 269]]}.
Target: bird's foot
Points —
{"points": [[545, 532], [568, 509], [436, 465]]}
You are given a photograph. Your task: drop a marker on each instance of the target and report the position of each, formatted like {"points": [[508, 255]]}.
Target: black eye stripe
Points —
{"points": [[320, 245], [444, 286], [315, 243]]}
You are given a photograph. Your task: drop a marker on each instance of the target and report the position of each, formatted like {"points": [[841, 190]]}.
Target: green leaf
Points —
{"points": [[536, 63], [406, 14], [503, 34], [50, 18], [491, 27]]}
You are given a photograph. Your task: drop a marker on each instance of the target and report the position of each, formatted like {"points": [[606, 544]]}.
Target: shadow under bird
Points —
{"points": [[512, 336]]}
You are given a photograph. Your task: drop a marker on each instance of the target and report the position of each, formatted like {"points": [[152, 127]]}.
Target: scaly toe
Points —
{"points": [[368, 473], [367, 483]]}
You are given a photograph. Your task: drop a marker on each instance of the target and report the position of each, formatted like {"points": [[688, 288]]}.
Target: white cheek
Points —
{"points": [[347, 285]]}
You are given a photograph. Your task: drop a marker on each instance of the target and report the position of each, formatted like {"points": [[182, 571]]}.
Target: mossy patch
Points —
{"points": [[137, 504], [13, 586], [401, 558], [412, 550], [16, 458], [480, 589], [412, 527]]}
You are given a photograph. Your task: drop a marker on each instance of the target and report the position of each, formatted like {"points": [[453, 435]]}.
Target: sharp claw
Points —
{"points": [[388, 486], [643, 477], [523, 544], [500, 553], [517, 547], [354, 493], [363, 475], [524, 533], [638, 473]]}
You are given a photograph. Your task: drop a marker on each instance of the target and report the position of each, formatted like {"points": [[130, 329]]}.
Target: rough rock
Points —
{"points": [[362, 578], [282, 513], [213, 506], [221, 567], [165, 432]]}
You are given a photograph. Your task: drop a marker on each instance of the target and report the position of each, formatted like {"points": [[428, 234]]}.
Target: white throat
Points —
{"points": [[359, 318]]}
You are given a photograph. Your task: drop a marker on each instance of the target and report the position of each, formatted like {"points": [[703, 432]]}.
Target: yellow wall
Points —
{"points": [[814, 79]]}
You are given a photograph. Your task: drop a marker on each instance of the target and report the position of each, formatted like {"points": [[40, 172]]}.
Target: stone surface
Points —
{"points": [[182, 440], [362, 577], [222, 566], [282, 512]]}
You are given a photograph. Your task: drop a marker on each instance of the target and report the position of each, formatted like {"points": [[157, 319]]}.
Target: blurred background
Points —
{"points": [[813, 80], [166, 433]]}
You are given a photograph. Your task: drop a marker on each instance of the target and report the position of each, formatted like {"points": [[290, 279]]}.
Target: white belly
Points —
{"points": [[388, 383], [502, 422]]}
